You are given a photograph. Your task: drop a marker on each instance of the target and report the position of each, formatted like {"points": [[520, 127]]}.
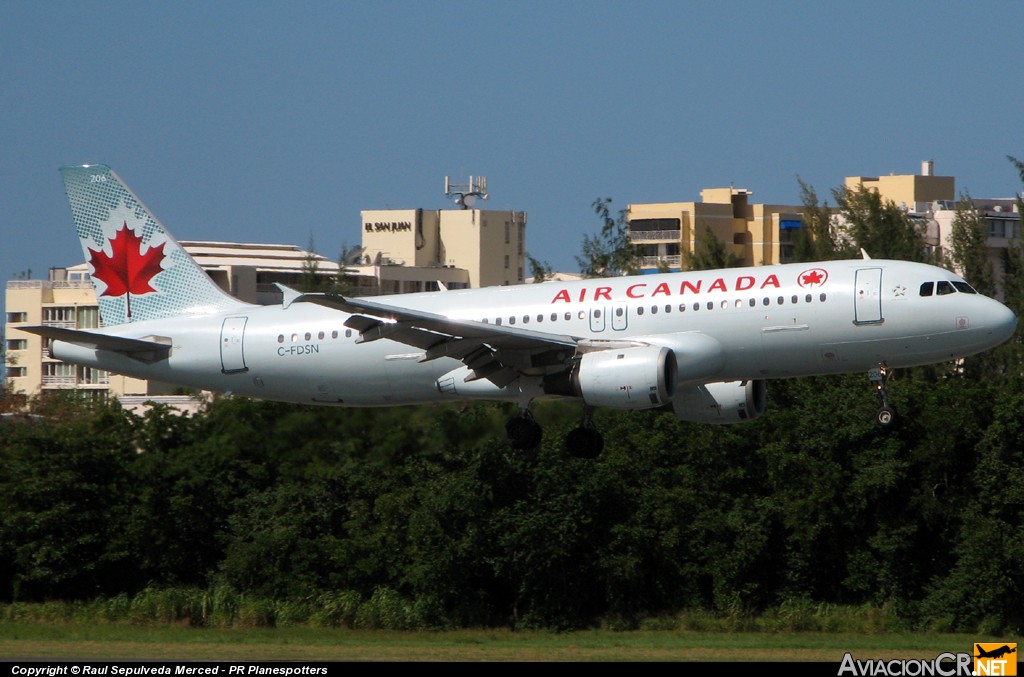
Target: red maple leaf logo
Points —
{"points": [[813, 277], [127, 270]]}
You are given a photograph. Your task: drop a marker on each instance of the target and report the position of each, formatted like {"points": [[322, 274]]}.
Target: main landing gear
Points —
{"points": [[585, 441], [886, 415], [523, 432]]}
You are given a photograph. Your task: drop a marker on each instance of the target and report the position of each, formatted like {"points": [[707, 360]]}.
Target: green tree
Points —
{"points": [[968, 249], [539, 271], [880, 227], [816, 241], [610, 252], [710, 253], [64, 495]]}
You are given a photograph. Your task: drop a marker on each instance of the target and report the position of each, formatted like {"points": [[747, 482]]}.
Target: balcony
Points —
{"points": [[61, 381], [654, 235], [655, 261]]}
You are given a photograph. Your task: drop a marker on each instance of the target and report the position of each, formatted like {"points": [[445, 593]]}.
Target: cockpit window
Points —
{"points": [[942, 288], [964, 287], [927, 288]]}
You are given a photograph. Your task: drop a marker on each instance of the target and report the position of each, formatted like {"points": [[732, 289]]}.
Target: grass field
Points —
{"points": [[125, 642]]}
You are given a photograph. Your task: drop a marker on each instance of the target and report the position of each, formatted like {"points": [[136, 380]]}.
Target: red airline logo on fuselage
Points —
{"points": [[640, 290]]}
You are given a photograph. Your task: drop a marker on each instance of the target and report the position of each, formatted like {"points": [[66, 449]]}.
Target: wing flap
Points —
{"points": [[495, 352]]}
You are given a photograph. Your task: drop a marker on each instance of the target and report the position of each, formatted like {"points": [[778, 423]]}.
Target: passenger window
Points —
{"points": [[753, 302], [821, 297], [348, 333], [807, 299], [334, 334], [668, 308], [781, 300], [927, 288], [795, 298], [568, 316], [511, 320], [640, 310], [654, 310], [582, 314], [942, 288], [767, 301], [696, 306], [497, 321], [682, 307], [711, 305], [280, 338], [308, 336], [320, 336], [540, 318], [597, 313], [526, 319], [618, 312], [554, 317]]}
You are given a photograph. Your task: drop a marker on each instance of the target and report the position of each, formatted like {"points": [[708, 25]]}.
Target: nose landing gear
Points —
{"points": [[886, 415]]}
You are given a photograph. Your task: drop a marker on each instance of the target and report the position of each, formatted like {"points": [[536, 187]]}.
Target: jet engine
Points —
{"points": [[639, 377], [728, 402]]}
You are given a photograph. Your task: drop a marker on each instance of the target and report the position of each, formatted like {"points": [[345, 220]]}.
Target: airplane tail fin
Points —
{"points": [[138, 269]]}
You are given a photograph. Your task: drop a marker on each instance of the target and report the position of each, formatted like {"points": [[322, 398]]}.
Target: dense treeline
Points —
{"points": [[810, 503], [423, 517]]}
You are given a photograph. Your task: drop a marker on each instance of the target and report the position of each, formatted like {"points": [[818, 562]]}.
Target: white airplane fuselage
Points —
{"points": [[727, 325]]}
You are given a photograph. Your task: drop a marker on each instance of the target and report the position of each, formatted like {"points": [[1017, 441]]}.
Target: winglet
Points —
{"points": [[288, 295]]}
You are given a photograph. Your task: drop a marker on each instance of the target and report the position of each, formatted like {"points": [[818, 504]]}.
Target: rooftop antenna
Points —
{"points": [[465, 194]]}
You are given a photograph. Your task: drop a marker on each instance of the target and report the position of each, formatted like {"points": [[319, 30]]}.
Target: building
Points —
{"points": [[410, 250], [67, 299], [933, 200], [758, 234], [761, 234], [913, 192]]}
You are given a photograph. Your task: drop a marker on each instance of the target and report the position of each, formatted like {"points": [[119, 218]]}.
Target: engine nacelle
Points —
{"points": [[729, 402], [640, 377]]}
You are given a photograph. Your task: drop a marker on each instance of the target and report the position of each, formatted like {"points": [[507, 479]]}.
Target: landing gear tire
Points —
{"points": [[584, 443], [885, 417], [522, 432]]}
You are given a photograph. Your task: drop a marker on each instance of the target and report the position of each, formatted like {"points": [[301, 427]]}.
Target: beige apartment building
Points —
{"points": [[933, 200], [913, 192], [762, 234], [759, 234]]}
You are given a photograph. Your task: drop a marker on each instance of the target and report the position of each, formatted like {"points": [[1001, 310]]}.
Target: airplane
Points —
{"points": [[698, 344], [994, 653]]}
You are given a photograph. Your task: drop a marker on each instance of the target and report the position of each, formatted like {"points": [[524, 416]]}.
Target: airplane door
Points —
{"points": [[597, 318], [620, 316], [232, 332], [867, 307]]}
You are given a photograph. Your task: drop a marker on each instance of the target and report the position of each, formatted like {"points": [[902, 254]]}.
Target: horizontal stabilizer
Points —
{"points": [[148, 349]]}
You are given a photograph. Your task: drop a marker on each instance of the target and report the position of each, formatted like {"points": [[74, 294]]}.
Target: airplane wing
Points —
{"points": [[147, 350], [497, 353]]}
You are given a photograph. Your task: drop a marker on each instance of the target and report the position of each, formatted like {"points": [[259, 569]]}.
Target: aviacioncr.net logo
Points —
{"points": [[946, 664]]}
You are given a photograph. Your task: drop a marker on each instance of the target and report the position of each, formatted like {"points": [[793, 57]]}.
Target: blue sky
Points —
{"points": [[279, 122]]}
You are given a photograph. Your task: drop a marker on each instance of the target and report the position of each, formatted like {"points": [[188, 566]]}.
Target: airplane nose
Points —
{"points": [[1002, 322]]}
